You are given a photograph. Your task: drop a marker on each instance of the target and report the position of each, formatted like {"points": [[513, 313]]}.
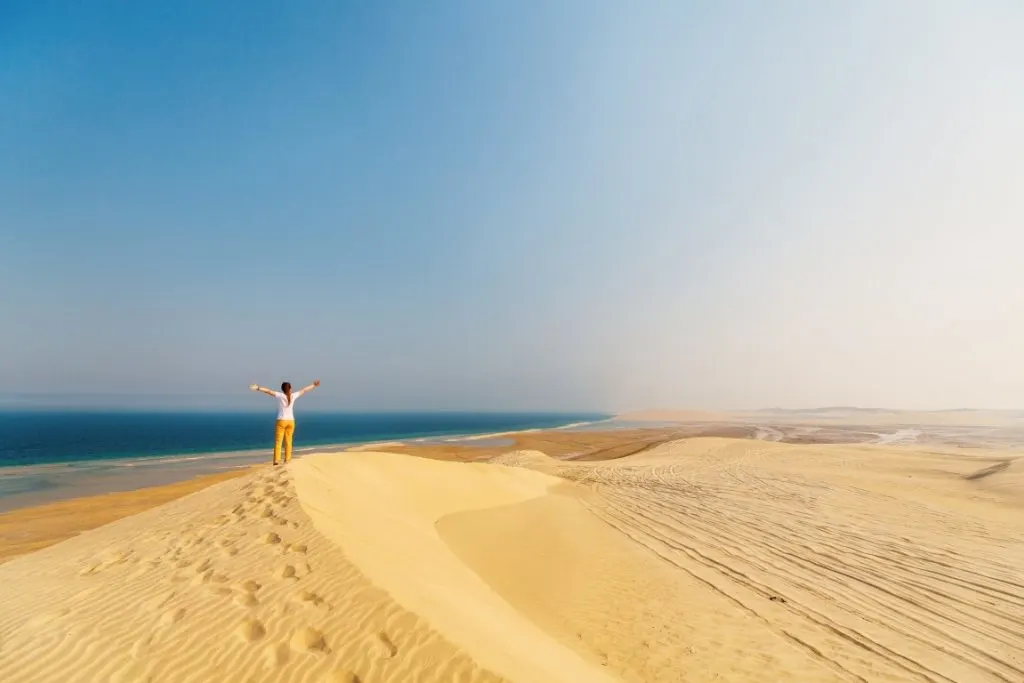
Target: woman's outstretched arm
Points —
{"points": [[310, 387], [257, 387]]}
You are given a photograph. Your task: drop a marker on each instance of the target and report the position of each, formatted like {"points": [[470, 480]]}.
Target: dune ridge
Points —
{"points": [[408, 497]]}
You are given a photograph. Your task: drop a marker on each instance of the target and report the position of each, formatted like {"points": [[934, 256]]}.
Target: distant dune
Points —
{"points": [[838, 415], [1005, 479], [669, 415]]}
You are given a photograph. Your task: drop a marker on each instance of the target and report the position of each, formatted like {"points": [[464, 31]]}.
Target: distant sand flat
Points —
{"points": [[838, 416], [28, 529], [704, 559]]}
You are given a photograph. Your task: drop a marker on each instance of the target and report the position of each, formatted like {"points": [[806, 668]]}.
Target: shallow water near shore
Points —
{"points": [[50, 456]]}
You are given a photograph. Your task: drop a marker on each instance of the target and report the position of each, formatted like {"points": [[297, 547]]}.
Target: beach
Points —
{"points": [[685, 550]]}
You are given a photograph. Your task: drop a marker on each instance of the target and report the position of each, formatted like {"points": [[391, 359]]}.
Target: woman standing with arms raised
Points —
{"points": [[285, 416]]}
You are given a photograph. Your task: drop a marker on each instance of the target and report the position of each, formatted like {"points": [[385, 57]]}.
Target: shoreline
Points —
{"points": [[121, 460], [135, 457], [25, 486]]}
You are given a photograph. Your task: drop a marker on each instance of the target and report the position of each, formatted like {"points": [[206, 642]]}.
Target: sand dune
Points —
{"points": [[1004, 479], [229, 584], [880, 564], [384, 509], [698, 560]]}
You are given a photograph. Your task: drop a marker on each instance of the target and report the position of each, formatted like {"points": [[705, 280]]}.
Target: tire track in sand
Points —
{"points": [[822, 544]]}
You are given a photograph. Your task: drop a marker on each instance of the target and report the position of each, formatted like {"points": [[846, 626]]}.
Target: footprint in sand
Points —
{"points": [[203, 578], [172, 616], [251, 630], [309, 639], [344, 676], [276, 655], [296, 548], [287, 572], [381, 646], [249, 586], [246, 600], [271, 538], [195, 542], [309, 599]]}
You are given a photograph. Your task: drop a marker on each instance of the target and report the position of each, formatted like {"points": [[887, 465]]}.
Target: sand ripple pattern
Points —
{"points": [[228, 584], [882, 564]]}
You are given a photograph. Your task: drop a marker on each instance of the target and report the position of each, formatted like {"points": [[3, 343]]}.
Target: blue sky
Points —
{"points": [[573, 205]]}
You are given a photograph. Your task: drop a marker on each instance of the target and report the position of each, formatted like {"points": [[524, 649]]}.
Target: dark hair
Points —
{"points": [[286, 387]]}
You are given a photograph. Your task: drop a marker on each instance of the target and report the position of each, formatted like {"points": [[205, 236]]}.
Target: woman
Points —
{"points": [[285, 416]]}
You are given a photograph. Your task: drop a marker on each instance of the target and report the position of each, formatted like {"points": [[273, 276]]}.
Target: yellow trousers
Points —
{"points": [[284, 430]]}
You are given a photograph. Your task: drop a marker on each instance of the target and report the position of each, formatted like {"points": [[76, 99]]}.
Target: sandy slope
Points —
{"points": [[699, 560], [881, 564], [228, 584], [384, 508]]}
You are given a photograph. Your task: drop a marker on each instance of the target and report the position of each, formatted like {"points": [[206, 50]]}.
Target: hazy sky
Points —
{"points": [[548, 205]]}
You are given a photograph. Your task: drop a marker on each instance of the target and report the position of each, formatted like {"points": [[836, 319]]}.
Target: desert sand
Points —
{"points": [[838, 416], [697, 559]]}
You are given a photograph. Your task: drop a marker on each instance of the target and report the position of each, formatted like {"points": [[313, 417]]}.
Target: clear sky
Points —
{"points": [[582, 204]]}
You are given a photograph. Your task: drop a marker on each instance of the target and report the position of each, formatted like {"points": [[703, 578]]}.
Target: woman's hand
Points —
{"points": [[254, 387], [316, 383]]}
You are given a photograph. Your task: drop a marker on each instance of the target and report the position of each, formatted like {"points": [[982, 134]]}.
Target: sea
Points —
{"points": [[51, 455]]}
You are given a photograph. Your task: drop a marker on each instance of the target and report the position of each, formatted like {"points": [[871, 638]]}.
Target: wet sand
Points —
{"points": [[32, 528]]}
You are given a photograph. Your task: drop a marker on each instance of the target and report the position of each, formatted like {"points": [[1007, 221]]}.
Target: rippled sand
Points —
{"points": [[696, 560]]}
